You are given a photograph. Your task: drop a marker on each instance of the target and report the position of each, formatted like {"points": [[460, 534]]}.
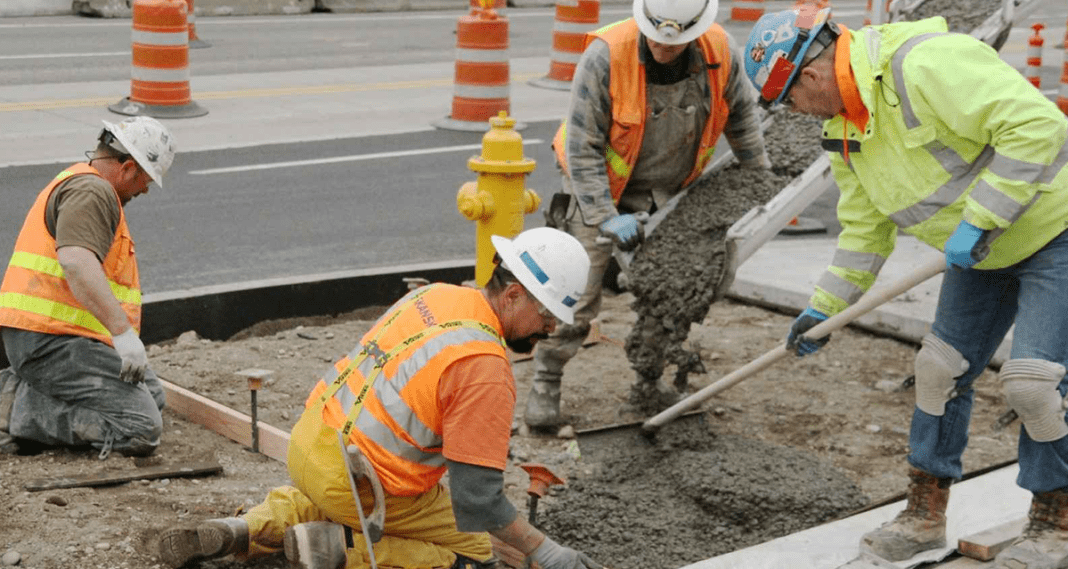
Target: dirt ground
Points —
{"points": [[833, 418]]}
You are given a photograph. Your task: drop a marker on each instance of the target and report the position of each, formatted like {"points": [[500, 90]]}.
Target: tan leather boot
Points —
{"points": [[210, 539], [1044, 542], [919, 527]]}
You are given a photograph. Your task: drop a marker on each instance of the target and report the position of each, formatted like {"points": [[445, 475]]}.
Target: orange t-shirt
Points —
{"points": [[477, 397]]}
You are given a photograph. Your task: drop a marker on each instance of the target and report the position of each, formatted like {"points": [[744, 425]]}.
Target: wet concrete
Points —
{"points": [[680, 270], [692, 495], [961, 15]]}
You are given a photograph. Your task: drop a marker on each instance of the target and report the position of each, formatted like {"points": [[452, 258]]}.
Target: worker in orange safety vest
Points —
{"points": [[70, 305], [427, 391], [650, 97]]}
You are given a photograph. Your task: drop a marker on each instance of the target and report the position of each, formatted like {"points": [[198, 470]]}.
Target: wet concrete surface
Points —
{"points": [[691, 495], [680, 270], [961, 15]]}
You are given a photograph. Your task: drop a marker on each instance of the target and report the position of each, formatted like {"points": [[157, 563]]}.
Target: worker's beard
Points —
{"points": [[525, 345]]}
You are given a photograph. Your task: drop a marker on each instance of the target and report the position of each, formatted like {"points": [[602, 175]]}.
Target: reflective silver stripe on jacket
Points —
{"points": [[840, 287], [997, 202], [388, 390], [870, 262], [899, 79], [962, 175], [1059, 162]]}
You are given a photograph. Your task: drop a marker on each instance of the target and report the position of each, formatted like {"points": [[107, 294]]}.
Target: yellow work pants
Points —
{"points": [[419, 531]]}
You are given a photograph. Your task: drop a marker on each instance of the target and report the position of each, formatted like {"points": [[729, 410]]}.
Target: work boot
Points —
{"points": [[1044, 542], [210, 539], [317, 545], [543, 404], [922, 524], [7, 402]]}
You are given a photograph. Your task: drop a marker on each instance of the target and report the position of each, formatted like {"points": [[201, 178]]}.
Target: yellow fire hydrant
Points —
{"points": [[499, 199]]}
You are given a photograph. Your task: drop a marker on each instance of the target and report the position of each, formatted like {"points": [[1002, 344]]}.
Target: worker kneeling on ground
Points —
{"points": [[650, 97], [932, 134], [428, 390], [70, 305]]}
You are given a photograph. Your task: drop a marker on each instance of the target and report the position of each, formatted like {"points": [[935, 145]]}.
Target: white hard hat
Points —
{"points": [[675, 22], [550, 264], [148, 141]]}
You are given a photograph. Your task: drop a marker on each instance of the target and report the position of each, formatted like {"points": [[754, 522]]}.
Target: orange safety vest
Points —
{"points": [[383, 396], [35, 295], [627, 89]]}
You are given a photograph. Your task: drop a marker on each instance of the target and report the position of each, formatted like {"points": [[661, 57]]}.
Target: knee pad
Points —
{"points": [[1030, 387], [937, 367]]}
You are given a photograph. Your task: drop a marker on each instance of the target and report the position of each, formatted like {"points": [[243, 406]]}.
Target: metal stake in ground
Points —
{"points": [[255, 379]]}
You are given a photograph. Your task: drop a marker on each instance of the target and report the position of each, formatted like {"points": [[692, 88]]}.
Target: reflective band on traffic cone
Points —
{"points": [[747, 10], [1062, 96], [482, 73], [191, 18], [573, 21], [1034, 56], [159, 85]]}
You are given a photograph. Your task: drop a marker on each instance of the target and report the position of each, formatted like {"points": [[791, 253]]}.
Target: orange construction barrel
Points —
{"points": [[159, 84], [573, 21], [194, 41], [482, 83]]}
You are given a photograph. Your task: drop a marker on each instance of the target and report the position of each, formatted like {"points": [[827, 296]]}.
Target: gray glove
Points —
{"points": [[552, 555], [134, 358]]}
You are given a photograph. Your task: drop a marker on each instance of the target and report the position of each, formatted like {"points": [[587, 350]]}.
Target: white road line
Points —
{"points": [[57, 55], [352, 158]]}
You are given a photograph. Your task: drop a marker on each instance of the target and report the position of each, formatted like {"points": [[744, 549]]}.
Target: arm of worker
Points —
{"points": [[987, 101], [742, 129], [88, 283], [83, 217], [588, 122], [867, 239]]}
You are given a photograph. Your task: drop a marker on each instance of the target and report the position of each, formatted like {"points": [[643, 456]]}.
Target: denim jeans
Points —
{"points": [[976, 308], [69, 394]]}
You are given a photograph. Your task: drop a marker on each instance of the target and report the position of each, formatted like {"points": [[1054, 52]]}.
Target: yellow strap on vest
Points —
{"points": [[51, 267], [357, 405], [54, 310]]}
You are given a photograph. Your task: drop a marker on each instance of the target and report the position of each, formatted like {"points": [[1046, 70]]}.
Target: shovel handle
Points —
{"points": [[863, 306]]}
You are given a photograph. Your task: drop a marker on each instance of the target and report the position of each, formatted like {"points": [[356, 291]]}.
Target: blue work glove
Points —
{"points": [[625, 230], [963, 249], [795, 340]]}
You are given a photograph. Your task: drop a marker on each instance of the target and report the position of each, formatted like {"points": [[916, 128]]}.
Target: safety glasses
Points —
{"points": [[661, 23]]}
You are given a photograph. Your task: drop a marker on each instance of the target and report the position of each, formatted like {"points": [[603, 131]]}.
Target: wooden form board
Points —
{"points": [[985, 545], [108, 478], [236, 426]]}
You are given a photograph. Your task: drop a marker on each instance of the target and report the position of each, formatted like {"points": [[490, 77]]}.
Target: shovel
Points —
{"points": [[594, 441], [866, 304]]}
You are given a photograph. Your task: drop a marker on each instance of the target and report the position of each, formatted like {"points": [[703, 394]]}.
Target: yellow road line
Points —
{"points": [[248, 93]]}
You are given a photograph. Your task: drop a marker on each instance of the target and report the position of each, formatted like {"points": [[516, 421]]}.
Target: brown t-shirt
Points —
{"points": [[84, 211]]}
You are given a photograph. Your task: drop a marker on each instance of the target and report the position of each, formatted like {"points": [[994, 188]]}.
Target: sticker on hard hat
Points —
{"points": [[534, 268]]}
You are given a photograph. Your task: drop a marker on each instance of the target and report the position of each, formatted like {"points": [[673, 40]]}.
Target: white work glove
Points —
{"points": [[134, 358], [552, 555]]}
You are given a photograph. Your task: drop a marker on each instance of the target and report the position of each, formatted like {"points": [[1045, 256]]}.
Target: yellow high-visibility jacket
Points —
{"points": [[953, 133]]}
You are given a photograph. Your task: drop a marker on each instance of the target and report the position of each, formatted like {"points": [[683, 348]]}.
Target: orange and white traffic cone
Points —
{"points": [[191, 17], [1062, 96], [159, 85], [498, 5], [573, 21], [481, 88], [1034, 56], [874, 15], [747, 10]]}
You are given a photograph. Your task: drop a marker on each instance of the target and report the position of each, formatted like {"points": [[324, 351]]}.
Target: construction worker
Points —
{"points": [[428, 390], [932, 134], [649, 99], [70, 305]]}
